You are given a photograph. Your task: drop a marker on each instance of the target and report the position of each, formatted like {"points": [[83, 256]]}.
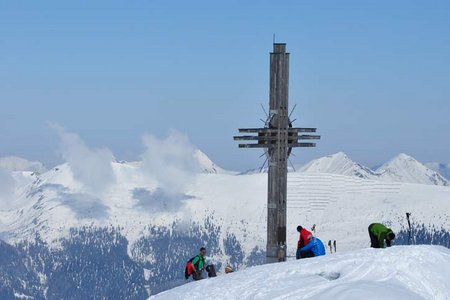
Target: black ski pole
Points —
{"points": [[409, 225]]}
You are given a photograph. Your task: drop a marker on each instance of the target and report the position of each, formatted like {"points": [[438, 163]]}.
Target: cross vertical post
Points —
{"points": [[278, 137]]}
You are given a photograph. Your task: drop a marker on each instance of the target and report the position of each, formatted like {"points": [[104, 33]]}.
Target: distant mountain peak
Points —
{"points": [[401, 168], [338, 163], [339, 154], [404, 157], [405, 168], [206, 164]]}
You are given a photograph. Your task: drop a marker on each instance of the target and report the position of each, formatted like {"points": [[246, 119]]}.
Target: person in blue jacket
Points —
{"points": [[314, 248]]}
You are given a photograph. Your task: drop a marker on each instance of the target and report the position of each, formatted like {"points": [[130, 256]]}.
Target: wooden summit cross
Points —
{"points": [[278, 137]]}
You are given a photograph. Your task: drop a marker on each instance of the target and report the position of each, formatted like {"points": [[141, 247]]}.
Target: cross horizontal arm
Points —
{"points": [[308, 137], [265, 138], [293, 145], [256, 130]]}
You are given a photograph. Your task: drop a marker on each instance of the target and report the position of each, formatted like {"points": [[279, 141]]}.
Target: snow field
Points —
{"points": [[399, 272]]}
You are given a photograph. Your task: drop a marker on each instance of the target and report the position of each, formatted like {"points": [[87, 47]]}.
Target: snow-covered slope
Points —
{"points": [[443, 169], [53, 202], [338, 163], [223, 211], [403, 272], [14, 163], [404, 168]]}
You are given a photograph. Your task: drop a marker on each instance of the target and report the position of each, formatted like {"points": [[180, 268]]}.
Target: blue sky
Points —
{"points": [[372, 76]]}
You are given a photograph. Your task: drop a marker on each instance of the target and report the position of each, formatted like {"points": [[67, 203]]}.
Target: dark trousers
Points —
{"points": [[374, 243], [303, 254], [197, 276]]}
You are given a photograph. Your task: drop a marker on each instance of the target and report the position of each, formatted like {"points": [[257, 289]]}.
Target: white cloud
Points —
{"points": [[90, 167], [14, 163], [171, 162], [7, 187]]}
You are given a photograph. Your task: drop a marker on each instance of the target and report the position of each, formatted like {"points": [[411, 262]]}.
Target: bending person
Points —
{"points": [[379, 234]]}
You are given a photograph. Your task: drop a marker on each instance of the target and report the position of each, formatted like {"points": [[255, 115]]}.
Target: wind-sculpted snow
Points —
{"points": [[401, 272]]}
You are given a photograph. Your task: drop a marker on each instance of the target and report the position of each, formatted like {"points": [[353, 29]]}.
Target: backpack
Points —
{"points": [[189, 268]]}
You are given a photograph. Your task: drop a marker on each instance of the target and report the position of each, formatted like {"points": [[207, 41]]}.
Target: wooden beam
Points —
{"points": [[292, 145], [290, 129], [274, 137], [307, 137]]}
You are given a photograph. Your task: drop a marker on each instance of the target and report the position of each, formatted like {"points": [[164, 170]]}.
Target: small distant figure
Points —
{"points": [[314, 248], [379, 234], [334, 245], [329, 245], [313, 228], [303, 240], [228, 269], [196, 265]]}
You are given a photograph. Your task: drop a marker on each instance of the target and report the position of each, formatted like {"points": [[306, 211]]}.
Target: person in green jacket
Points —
{"points": [[379, 234], [196, 265]]}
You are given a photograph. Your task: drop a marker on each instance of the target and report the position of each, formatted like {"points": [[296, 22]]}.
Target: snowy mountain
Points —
{"points": [[74, 218], [206, 164], [443, 169], [404, 168], [14, 163], [338, 163], [363, 274]]}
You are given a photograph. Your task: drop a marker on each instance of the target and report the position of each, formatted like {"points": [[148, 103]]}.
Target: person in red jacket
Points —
{"points": [[303, 240]]}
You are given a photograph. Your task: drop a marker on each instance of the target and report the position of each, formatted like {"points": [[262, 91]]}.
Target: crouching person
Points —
{"points": [[196, 265], [314, 248], [379, 234]]}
